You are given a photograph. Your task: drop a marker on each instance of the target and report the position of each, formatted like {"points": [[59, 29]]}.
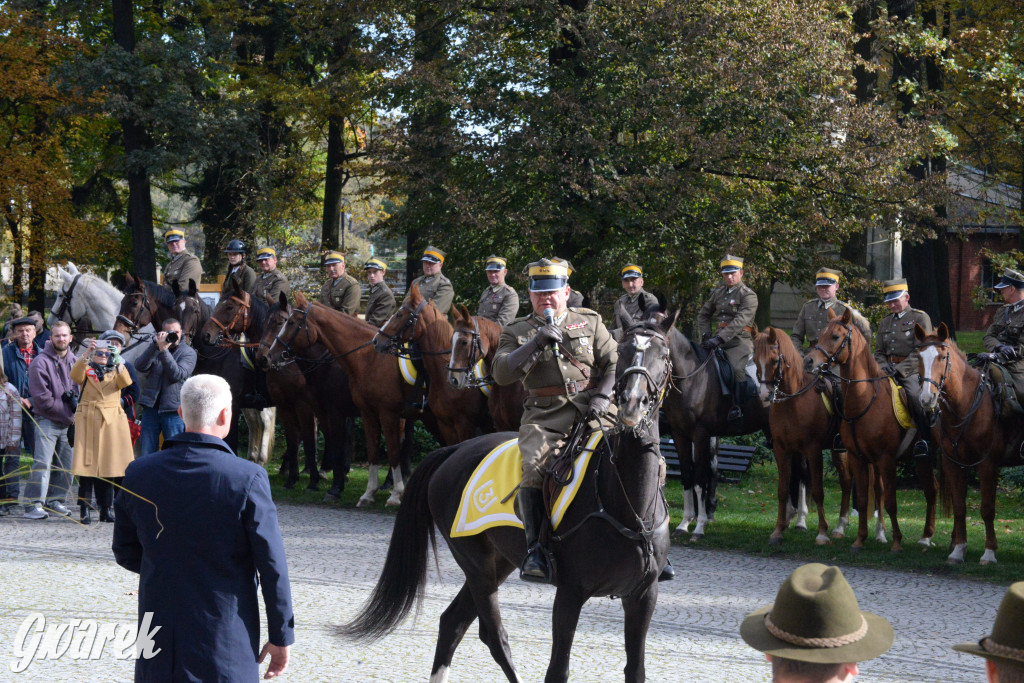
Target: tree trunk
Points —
{"points": [[18, 257], [135, 140], [334, 183], [37, 259]]}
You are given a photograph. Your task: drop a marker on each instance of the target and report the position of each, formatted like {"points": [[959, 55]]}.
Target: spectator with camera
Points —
{"points": [[130, 394], [103, 444], [169, 362], [18, 357], [54, 401]]}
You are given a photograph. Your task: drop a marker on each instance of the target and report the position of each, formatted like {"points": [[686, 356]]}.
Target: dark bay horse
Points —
{"points": [[375, 380], [613, 539], [144, 303], [801, 428], [970, 432], [697, 410], [474, 342], [869, 428]]}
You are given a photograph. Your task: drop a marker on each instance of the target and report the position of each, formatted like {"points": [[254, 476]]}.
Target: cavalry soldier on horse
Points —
{"points": [[565, 358], [628, 309], [183, 266], [1004, 336], [731, 310], [434, 286], [813, 316], [381, 302], [271, 282], [896, 352], [499, 302], [237, 269], [341, 291]]}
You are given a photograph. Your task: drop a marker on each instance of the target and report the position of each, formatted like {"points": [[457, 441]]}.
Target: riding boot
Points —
{"points": [[535, 567], [106, 514], [86, 514], [738, 397], [668, 573]]}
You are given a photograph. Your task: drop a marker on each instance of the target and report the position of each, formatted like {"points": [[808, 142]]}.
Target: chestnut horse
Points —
{"points": [[460, 414], [801, 429], [474, 343], [376, 382], [969, 431], [869, 428]]}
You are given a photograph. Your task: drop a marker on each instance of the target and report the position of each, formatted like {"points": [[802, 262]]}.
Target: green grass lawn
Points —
{"points": [[746, 516]]}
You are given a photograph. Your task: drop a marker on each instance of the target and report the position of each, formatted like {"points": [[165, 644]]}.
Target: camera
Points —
{"points": [[172, 338], [71, 398]]}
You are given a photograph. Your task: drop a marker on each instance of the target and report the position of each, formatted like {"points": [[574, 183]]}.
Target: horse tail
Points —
{"points": [[798, 474], [945, 490], [400, 586]]}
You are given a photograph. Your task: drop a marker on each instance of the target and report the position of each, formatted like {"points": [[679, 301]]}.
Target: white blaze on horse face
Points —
{"points": [[928, 356], [634, 395], [278, 336]]}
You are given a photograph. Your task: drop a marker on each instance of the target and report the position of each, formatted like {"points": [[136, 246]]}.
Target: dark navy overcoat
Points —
{"points": [[200, 529]]}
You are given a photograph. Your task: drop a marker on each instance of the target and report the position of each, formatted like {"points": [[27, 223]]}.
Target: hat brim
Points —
{"points": [[327, 263], [631, 275], [892, 296], [264, 257], [431, 259], [372, 266], [877, 641], [176, 238], [548, 284], [494, 266], [825, 282], [977, 649], [729, 269]]}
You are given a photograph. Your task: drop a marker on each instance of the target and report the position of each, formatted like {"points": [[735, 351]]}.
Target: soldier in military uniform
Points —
{"points": [[499, 302], [238, 269], [724, 322], [1004, 336], [813, 316], [433, 284], [896, 351], [183, 266], [577, 380], [271, 282], [627, 308], [575, 297], [341, 291], [381, 302]]}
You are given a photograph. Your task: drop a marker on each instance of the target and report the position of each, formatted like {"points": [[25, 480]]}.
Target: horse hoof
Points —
{"points": [[364, 501], [985, 563], [954, 561], [393, 502], [680, 530], [895, 550], [775, 540], [926, 543], [822, 539], [837, 534], [696, 537], [330, 497], [802, 529], [313, 486], [856, 549]]}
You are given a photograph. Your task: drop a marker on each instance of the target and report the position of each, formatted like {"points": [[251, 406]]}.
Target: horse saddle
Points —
{"points": [[1003, 389], [726, 376]]}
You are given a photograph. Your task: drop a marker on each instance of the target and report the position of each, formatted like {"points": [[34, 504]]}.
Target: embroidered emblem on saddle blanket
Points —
{"points": [[501, 470]]}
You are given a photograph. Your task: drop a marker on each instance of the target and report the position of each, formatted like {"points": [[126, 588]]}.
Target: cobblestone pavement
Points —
{"points": [[65, 571]]}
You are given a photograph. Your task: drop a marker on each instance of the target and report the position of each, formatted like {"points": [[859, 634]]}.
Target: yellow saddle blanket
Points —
{"points": [[899, 405], [408, 369], [496, 476]]}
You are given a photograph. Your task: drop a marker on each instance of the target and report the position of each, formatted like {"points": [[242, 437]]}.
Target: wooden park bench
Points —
{"points": [[733, 460]]}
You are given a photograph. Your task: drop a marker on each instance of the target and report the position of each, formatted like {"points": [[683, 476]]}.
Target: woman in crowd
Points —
{"points": [[103, 445]]}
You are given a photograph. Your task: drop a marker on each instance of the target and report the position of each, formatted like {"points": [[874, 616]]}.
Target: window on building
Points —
{"points": [[990, 275]]}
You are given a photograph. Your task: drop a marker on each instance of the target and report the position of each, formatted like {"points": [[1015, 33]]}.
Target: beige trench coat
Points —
{"points": [[103, 444]]}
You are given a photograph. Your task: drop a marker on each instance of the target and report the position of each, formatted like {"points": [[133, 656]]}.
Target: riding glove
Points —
{"points": [[712, 343], [1006, 351], [601, 400]]}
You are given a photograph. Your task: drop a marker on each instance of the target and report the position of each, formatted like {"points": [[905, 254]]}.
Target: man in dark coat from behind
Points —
{"points": [[199, 526]]}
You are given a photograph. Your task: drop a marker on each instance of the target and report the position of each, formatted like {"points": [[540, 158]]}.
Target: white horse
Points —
{"points": [[90, 305]]}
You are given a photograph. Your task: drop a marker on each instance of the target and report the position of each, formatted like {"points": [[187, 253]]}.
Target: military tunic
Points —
{"points": [[380, 305], [341, 294], [1007, 328], [895, 342], [547, 420], [499, 303], [627, 308], [272, 284], [181, 268], [245, 275], [575, 299], [813, 318], [438, 289], [729, 313]]}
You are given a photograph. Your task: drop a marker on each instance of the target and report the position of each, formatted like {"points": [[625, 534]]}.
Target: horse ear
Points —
{"points": [[300, 300], [414, 293], [73, 269], [847, 315], [919, 333], [831, 313], [129, 281], [64, 274], [943, 332], [753, 329], [773, 337], [176, 289], [669, 321], [193, 291], [236, 284], [282, 300]]}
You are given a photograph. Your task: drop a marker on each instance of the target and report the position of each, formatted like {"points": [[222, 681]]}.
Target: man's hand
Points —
{"points": [[712, 343], [599, 404], [26, 404], [278, 659], [1007, 351], [548, 334], [161, 341]]}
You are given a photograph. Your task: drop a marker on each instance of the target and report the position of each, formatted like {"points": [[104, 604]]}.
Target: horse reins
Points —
{"points": [[227, 337], [637, 368], [476, 354], [397, 341], [134, 325], [304, 324], [965, 422]]}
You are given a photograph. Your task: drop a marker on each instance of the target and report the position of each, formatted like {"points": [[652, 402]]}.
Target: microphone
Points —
{"points": [[549, 318]]}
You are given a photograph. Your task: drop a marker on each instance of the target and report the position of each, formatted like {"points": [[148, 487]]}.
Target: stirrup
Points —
{"points": [[536, 566], [921, 449], [735, 413]]}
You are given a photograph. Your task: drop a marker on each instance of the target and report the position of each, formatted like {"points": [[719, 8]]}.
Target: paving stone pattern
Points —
{"points": [[64, 570]]}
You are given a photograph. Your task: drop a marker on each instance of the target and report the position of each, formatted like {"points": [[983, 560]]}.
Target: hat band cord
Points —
{"points": [[995, 648], [837, 641]]}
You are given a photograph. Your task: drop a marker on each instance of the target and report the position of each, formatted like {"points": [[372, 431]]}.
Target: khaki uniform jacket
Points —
{"points": [[1008, 328], [341, 294], [627, 308], [575, 299], [182, 268], [272, 283], [547, 419], [813, 318], [499, 304], [728, 314], [245, 275], [103, 444], [895, 339], [438, 289], [380, 305]]}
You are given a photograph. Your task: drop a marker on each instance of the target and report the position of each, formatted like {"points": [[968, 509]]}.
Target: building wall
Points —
{"points": [[966, 267]]}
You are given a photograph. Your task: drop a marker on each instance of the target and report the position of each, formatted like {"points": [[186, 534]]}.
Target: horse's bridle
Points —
{"points": [[65, 309], [945, 371], [780, 367], [476, 353], [133, 325], [228, 334], [655, 387], [832, 359], [397, 341], [289, 353]]}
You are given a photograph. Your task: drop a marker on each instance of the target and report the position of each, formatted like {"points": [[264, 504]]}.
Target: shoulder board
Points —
{"points": [[584, 311]]}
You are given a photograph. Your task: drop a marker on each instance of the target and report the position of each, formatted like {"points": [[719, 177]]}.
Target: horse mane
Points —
{"points": [[259, 313], [159, 293], [438, 330], [348, 318]]}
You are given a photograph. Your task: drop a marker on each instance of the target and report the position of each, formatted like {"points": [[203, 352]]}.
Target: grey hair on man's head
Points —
{"points": [[202, 399]]}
